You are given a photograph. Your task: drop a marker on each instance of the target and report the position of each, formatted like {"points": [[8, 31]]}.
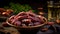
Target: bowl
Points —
{"points": [[28, 29]]}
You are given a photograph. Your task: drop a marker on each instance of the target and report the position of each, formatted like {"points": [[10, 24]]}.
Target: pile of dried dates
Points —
{"points": [[26, 19]]}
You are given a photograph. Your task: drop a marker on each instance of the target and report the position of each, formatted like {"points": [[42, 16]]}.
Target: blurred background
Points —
{"points": [[50, 8]]}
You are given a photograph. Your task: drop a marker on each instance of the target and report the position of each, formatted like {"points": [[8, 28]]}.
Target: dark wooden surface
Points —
{"points": [[8, 30], [12, 30]]}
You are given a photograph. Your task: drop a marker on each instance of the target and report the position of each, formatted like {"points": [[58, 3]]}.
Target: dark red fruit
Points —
{"points": [[26, 21], [5, 24], [36, 23], [17, 23], [50, 23]]}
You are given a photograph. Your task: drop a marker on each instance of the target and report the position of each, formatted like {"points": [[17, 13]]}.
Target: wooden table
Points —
{"points": [[8, 30]]}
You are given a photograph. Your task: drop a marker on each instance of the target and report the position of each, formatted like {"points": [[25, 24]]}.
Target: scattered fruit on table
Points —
{"points": [[44, 29], [50, 23], [5, 12], [2, 10], [58, 21]]}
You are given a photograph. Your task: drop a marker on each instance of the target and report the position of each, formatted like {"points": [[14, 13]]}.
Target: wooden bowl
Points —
{"points": [[28, 29]]}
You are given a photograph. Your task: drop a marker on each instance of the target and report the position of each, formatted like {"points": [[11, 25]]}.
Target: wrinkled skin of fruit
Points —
{"points": [[26, 19]]}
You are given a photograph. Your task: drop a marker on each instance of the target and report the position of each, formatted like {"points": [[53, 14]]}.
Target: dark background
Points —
{"points": [[33, 3]]}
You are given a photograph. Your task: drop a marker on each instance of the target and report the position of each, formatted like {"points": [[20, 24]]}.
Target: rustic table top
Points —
{"points": [[8, 30], [12, 30]]}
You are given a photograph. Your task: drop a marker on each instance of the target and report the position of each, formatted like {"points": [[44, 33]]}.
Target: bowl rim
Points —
{"points": [[27, 26]]}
